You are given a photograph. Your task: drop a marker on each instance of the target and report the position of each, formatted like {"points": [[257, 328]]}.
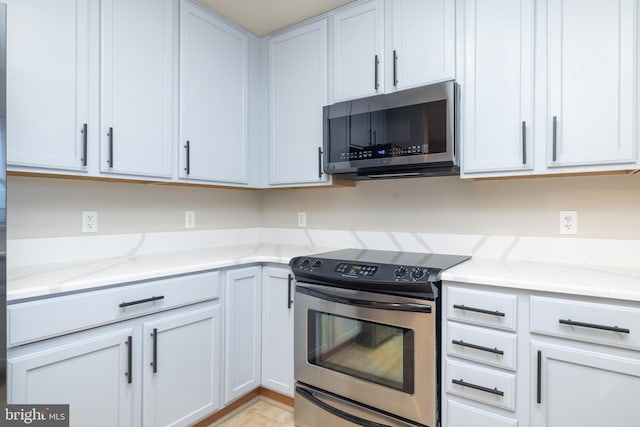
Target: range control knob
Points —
{"points": [[305, 262], [317, 263], [417, 273], [400, 271]]}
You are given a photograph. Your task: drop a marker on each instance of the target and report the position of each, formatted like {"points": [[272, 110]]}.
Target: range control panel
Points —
{"points": [[329, 268]]}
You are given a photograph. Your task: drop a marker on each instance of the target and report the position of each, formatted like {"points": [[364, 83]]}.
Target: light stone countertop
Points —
{"points": [[587, 267]]}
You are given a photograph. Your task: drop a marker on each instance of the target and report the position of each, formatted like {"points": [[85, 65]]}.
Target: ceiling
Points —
{"points": [[262, 17]]}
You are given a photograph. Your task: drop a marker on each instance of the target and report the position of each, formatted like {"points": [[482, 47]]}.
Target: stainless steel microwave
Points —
{"points": [[403, 134]]}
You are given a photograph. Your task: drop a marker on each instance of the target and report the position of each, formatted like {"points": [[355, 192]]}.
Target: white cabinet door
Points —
{"points": [[181, 367], [48, 85], [497, 85], [298, 91], [423, 46], [137, 75], [213, 97], [592, 63], [358, 51], [243, 321], [583, 388], [90, 375], [277, 330]]}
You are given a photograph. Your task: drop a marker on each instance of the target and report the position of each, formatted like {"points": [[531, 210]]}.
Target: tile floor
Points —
{"points": [[260, 412]]}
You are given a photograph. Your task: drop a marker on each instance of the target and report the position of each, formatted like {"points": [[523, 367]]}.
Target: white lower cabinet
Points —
{"points": [[585, 367], [88, 371], [461, 415], [242, 331], [277, 329], [587, 388], [181, 367], [160, 369]]}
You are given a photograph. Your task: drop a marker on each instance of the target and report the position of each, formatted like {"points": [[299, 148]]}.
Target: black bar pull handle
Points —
{"points": [[352, 419], [129, 373], [187, 147], [376, 77], [524, 143], [110, 135], [594, 326], [154, 335], [539, 379], [140, 301], [289, 300], [84, 144], [320, 162], [478, 347], [478, 387], [555, 138], [395, 68], [478, 310]]}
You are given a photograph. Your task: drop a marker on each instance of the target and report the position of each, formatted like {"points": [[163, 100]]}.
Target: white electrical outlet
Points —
{"points": [[302, 219], [89, 221], [568, 222], [189, 219]]}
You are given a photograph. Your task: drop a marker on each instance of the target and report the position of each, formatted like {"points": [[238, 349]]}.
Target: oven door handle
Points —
{"points": [[379, 305], [309, 395]]}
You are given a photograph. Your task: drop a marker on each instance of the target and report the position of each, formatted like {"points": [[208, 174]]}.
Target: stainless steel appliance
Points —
{"points": [[367, 338], [403, 134]]}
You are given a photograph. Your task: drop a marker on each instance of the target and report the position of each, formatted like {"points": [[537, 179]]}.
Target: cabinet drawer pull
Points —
{"points": [[478, 347], [479, 310], [129, 373], [395, 68], [140, 301], [154, 334], [187, 147], [524, 143], [539, 379], [110, 135], [289, 300], [376, 63], [594, 326], [478, 387], [84, 144], [319, 163], [555, 138]]}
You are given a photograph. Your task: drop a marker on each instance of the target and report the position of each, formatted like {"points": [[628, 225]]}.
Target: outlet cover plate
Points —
{"points": [[568, 222], [189, 219], [89, 221]]}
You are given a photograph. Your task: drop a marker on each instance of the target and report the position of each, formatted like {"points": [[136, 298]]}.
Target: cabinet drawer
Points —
{"points": [[485, 385], [48, 317], [482, 308], [592, 322], [460, 415], [482, 345]]}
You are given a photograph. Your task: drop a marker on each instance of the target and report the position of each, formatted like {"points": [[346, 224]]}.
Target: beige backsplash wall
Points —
{"points": [[607, 206], [40, 207]]}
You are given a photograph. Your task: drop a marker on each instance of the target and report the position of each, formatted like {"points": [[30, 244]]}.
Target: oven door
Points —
{"points": [[378, 350]]}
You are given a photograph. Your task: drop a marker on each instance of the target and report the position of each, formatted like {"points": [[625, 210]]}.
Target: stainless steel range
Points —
{"points": [[367, 338]]}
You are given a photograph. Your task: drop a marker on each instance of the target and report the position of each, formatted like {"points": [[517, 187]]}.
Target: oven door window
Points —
{"points": [[374, 352]]}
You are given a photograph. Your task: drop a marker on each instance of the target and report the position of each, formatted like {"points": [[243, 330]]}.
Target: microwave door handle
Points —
{"points": [[309, 395], [378, 305]]}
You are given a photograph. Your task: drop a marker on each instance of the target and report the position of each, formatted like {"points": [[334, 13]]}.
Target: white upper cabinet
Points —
{"points": [[423, 43], [137, 82], [213, 98], [497, 85], [48, 83], [358, 51], [592, 87], [297, 93]]}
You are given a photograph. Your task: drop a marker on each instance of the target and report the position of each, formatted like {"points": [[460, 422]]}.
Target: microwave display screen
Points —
{"points": [[395, 132]]}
